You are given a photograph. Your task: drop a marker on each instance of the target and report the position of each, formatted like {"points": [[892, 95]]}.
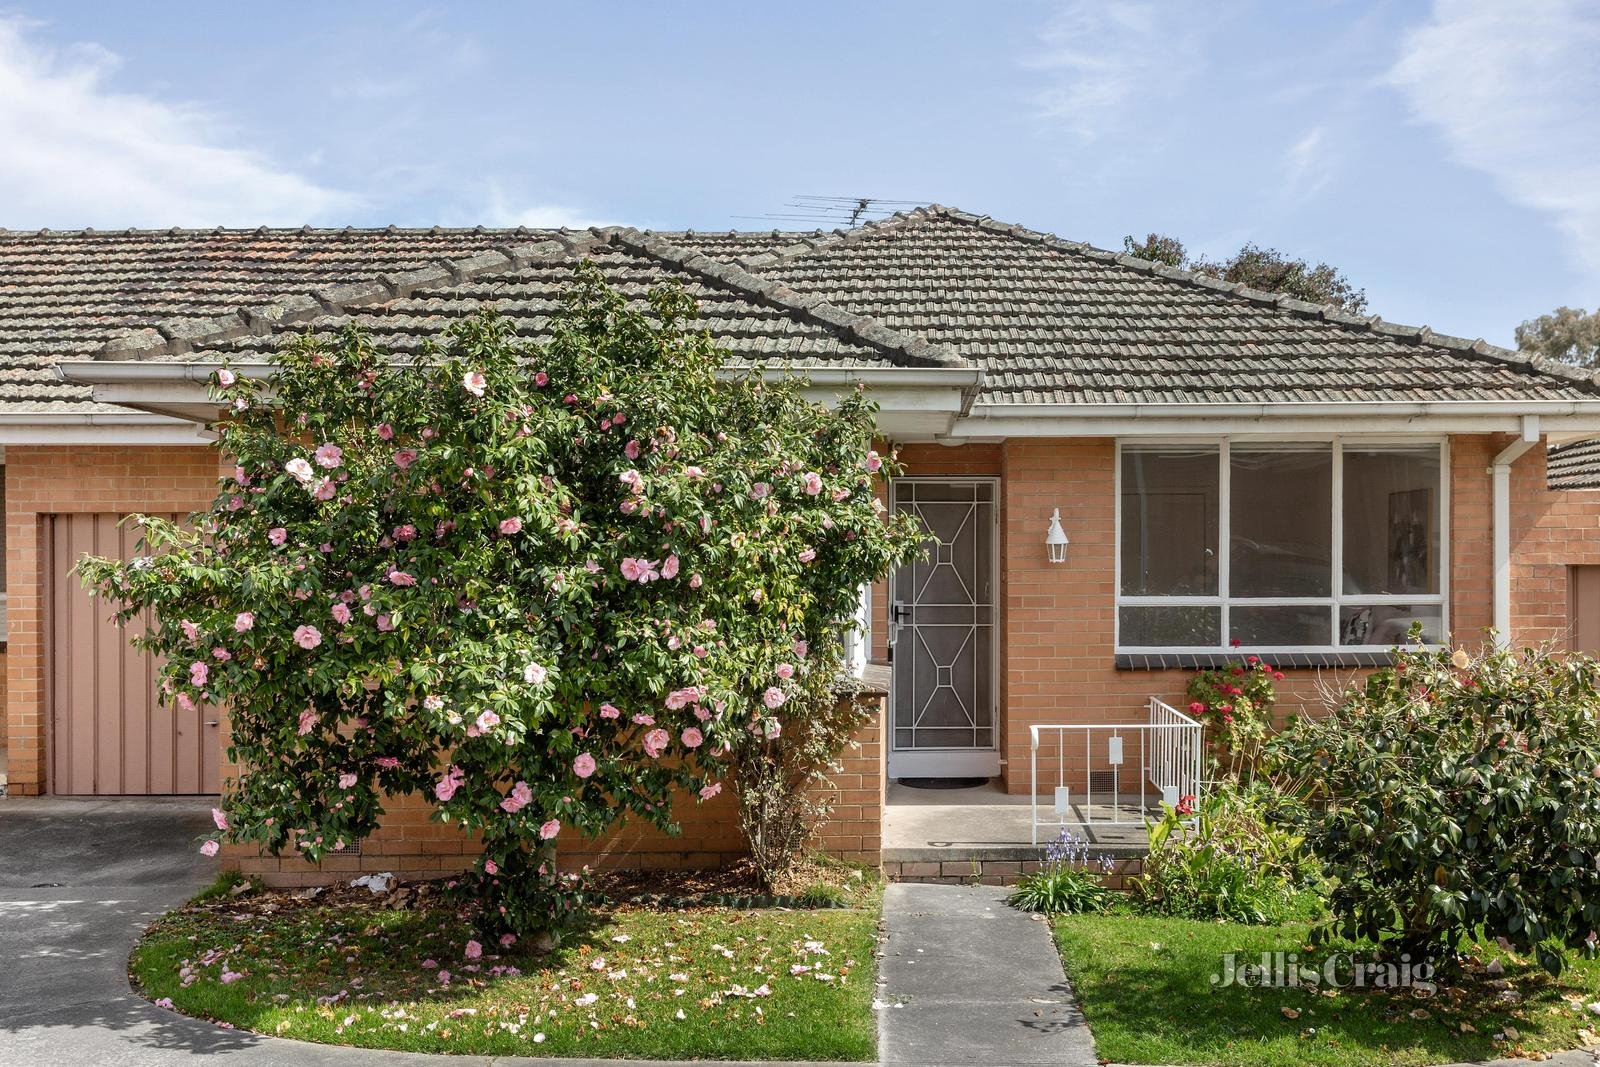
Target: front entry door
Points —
{"points": [[942, 632]]}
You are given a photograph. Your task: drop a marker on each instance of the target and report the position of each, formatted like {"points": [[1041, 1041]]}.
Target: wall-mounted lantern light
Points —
{"points": [[1056, 540]]}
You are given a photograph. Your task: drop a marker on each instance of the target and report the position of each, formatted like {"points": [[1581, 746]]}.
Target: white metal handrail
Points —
{"points": [[1167, 753]]}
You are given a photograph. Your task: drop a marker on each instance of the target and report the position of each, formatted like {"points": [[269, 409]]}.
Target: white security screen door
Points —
{"points": [[943, 632]]}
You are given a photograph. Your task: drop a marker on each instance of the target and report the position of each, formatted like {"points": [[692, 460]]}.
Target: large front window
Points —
{"points": [[1292, 545]]}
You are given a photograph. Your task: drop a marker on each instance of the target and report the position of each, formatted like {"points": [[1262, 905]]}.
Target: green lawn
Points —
{"points": [[1145, 986], [698, 983]]}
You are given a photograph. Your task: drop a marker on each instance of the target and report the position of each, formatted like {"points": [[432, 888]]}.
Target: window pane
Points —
{"points": [[1169, 521], [1387, 625], [1391, 520], [1257, 626], [1281, 520], [1170, 627]]}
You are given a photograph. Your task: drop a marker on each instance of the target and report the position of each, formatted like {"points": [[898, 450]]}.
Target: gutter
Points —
{"points": [[1500, 481]]}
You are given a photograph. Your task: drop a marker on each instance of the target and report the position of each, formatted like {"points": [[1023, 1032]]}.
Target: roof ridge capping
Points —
{"points": [[909, 348], [1330, 313], [839, 237], [175, 337]]}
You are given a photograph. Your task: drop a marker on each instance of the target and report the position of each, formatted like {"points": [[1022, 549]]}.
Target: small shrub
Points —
{"points": [[1067, 885], [1235, 862], [1234, 703], [1454, 797]]}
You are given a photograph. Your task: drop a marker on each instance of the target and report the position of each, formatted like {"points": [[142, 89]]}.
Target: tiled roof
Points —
{"points": [[1574, 466], [64, 294], [756, 319], [1050, 321], [1057, 322]]}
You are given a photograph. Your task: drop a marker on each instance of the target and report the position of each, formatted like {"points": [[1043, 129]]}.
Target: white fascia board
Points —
{"points": [[998, 421], [78, 428]]}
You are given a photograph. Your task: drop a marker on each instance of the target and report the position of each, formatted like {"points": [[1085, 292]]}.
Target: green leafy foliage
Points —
{"points": [[1228, 859], [1266, 269], [1234, 703], [549, 586], [1069, 883], [1455, 796], [1570, 335]]}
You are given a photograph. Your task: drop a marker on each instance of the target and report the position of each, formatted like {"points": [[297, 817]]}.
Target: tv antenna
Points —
{"points": [[835, 211]]}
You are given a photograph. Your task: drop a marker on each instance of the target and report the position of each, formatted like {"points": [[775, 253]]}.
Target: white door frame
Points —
{"points": [[951, 762]]}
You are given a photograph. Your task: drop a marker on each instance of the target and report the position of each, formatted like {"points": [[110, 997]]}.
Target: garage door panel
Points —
{"points": [[110, 734]]}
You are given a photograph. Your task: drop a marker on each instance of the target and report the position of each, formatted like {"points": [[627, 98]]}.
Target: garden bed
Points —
{"points": [[397, 972], [1145, 985]]}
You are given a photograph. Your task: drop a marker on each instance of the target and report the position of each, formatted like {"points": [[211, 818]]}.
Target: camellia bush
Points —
{"points": [[545, 585], [1457, 796]]}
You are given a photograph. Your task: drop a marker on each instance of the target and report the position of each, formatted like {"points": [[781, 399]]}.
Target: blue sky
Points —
{"points": [[1446, 155]]}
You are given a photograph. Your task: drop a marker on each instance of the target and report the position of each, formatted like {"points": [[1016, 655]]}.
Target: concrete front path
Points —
{"points": [[967, 980]]}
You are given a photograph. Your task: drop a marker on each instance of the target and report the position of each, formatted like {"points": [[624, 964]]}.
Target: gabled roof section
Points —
{"points": [[759, 320], [1057, 322]]}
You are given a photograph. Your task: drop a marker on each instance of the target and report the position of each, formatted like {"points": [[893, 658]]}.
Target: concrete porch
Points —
{"points": [[982, 834]]}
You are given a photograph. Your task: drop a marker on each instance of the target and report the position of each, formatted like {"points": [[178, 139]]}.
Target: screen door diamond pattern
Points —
{"points": [[942, 621]]}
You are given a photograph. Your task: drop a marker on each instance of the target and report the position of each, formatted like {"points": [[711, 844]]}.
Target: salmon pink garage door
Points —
{"points": [[108, 733]]}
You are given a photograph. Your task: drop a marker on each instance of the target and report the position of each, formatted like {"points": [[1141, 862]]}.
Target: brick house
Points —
{"points": [[1128, 472]]}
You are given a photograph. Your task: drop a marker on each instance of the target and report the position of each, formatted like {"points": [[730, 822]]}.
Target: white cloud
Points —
{"points": [[1307, 165], [1099, 56], [501, 210], [80, 154], [1515, 90]]}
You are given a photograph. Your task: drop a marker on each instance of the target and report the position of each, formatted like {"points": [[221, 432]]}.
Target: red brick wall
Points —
{"points": [[42, 481], [411, 844]]}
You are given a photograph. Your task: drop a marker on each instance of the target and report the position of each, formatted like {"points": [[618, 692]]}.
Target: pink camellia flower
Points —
{"points": [[404, 532], [300, 470], [385, 432], [185, 701], [707, 792], [759, 490], [541, 378], [682, 698], [631, 450], [405, 457], [388, 763], [534, 674], [609, 711], [190, 630], [341, 613], [785, 671], [226, 377], [813, 483], [583, 766], [772, 728], [219, 817], [308, 721], [209, 848], [446, 787], [278, 535], [691, 737], [774, 697], [325, 490], [491, 867], [550, 829], [474, 382], [307, 637], [633, 480], [874, 461], [198, 673], [329, 455], [487, 720], [519, 797], [473, 950], [385, 624], [1195, 707], [655, 742], [695, 581], [511, 526], [507, 940], [801, 647], [669, 567], [399, 577], [807, 555], [644, 720], [221, 654]]}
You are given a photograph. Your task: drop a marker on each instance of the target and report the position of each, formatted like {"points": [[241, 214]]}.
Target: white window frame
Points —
{"points": [[1224, 539]]}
